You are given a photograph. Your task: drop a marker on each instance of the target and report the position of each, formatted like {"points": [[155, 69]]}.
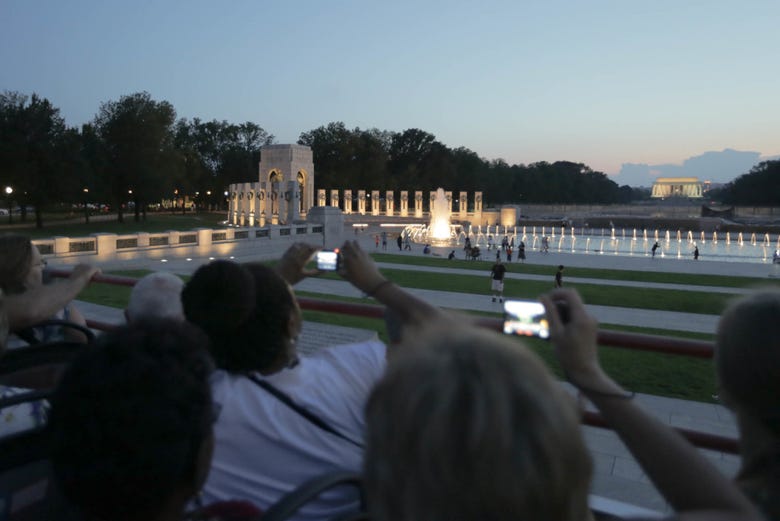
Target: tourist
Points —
{"points": [[776, 257], [467, 244], [509, 254], [451, 255], [407, 243], [426, 249], [655, 247], [747, 360], [559, 277], [514, 448], [695, 252], [131, 423], [490, 242], [497, 273], [545, 244], [521, 252], [376, 241], [30, 301], [155, 296], [384, 241], [400, 242], [265, 446]]}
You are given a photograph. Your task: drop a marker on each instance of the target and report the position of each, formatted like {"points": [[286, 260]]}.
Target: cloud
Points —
{"points": [[718, 167]]}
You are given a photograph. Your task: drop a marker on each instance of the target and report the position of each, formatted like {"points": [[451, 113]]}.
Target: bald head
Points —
{"points": [[156, 296]]}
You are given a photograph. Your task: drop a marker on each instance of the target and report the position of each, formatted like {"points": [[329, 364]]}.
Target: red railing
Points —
{"points": [[635, 341]]}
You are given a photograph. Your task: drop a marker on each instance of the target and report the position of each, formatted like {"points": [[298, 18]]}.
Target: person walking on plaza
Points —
{"points": [[376, 241], [521, 252], [509, 254], [400, 242], [545, 244], [559, 277], [655, 247], [497, 283], [384, 241], [695, 253], [407, 243]]}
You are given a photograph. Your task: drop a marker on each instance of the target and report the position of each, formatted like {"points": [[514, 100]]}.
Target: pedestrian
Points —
{"points": [[427, 249], [504, 243], [407, 243], [451, 255], [467, 245], [695, 253], [509, 254], [655, 247], [497, 280], [521, 252], [376, 241], [498, 254], [559, 277], [400, 242], [384, 241], [490, 242], [545, 244]]}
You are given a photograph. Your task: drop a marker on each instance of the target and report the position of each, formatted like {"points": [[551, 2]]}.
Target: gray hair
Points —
{"points": [[156, 296]]}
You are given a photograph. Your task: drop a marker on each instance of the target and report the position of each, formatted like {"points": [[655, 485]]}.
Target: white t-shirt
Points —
{"points": [[264, 449]]}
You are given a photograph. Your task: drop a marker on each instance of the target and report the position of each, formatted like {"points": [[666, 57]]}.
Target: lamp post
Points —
{"points": [[86, 205], [8, 192]]}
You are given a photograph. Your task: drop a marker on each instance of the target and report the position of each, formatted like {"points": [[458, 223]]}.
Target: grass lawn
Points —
{"points": [[593, 273], [155, 223]]}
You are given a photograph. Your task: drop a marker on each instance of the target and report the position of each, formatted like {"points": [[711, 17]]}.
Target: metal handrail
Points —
{"points": [[635, 341]]}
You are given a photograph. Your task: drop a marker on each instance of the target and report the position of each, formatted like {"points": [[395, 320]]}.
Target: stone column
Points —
{"points": [[292, 197], [362, 202], [252, 205], [404, 203], [234, 198], [374, 202], [478, 206], [105, 245], [274, 203], [418, 195], [448, 195], [389, 203], [332, 221], [262, 201], [463, 205], [347, 201], [321, 196]]}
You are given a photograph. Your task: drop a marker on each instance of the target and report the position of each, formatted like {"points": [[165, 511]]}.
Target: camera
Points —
{"points": [[525, 318], [328, 260]]}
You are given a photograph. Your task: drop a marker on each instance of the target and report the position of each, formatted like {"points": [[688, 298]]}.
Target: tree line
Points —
{"points": [[135, 150]]}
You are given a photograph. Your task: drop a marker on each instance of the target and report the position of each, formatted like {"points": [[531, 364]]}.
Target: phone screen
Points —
{"points": [[525, 318], [327, 260]]}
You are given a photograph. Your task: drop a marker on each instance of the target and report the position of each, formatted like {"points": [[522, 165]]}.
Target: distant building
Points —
{"points": [[688, 187]]}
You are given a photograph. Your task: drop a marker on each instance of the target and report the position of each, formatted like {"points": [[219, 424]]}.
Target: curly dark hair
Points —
{"points": [[245, 311], [130, 418]]}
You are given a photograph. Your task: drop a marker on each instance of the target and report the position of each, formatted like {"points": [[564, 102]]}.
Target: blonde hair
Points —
{"points": [[470, 425]]}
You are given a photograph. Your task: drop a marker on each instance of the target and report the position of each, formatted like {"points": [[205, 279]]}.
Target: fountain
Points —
{"points": [[439, 232]]}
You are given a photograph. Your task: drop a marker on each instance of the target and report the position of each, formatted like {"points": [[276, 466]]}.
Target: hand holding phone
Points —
{"points": [[328, 260], [525, 318]]}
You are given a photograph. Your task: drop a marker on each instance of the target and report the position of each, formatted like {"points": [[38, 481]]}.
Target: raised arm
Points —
{"points": [[41, 303], [361, 271], [694, 488], [292, 265]]}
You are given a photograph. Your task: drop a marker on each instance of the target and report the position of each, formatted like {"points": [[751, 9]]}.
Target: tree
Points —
{"points": [[760, 186], [33, 149], [137, 137]]}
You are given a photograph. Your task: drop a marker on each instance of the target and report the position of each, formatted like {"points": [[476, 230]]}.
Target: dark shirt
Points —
{"points": [[498, 271]]}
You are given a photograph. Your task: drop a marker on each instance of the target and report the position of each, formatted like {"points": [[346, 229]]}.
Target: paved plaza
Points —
{"points": [[617, 475]]}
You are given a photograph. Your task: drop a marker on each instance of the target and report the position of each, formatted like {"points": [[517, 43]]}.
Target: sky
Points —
{"points": [[634, 89]]}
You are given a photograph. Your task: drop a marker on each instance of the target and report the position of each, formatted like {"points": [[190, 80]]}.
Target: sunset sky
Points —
{"points": [[632, 89]]}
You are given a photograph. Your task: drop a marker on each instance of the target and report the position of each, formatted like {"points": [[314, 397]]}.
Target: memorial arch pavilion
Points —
{"points": [[689, 187]]}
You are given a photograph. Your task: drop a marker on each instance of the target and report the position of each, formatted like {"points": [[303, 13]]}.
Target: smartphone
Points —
{"points": [[525, 318], [328, 260]]}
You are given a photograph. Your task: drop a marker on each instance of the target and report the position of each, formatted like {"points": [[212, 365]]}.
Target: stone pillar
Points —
{"points": [[143, 239], [374, 202], [332, 221], [274, 203], [105, 245], [418, 195], [321, 197], [334, 198], [389, 203], [262, 200], [61, 246], [404, 203], [234, 205], [477, 202], [362, 202], [347, 202], [292, 196], [448, 195], [463, 205]]}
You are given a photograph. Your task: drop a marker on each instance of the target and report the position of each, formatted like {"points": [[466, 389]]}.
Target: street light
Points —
{"points": [[86, 204], [8, 192]]}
